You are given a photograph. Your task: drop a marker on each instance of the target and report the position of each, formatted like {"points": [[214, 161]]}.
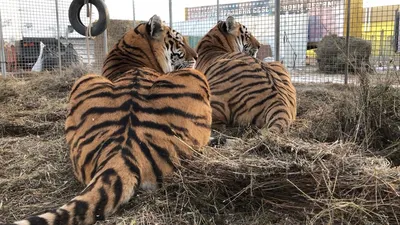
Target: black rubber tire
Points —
{"points": [[98, 27]]}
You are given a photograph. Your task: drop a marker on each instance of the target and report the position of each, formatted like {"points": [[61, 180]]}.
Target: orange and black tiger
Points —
{"points": [[170, 51], [130, 131], [244, 90]]}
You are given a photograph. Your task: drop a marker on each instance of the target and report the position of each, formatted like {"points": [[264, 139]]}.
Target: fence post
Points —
{"points": [[346, 68], [58, 38], [133, 11], [170, 13], [2, 54], [105, 42], [105, 39], [217, 11], [277, 28]]}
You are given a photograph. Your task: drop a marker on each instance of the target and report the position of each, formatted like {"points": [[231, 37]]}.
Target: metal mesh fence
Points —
{"points": [[317, 40]]}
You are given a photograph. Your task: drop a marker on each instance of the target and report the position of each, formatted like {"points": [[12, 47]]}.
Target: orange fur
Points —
{"points": [[132, 126], [244, 90], [132, 51]]}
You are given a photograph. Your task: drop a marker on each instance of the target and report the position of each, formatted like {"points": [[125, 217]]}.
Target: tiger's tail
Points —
{"points": [[112, 186]]}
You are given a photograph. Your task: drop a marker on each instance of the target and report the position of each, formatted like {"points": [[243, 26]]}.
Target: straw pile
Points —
{"points": [[319, 173]]}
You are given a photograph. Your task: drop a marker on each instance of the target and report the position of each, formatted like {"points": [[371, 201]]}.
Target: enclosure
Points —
{"points": [[338, 164], [300, 27]]}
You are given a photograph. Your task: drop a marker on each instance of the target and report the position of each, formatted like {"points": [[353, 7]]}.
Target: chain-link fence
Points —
{"points": [[319, 40]]}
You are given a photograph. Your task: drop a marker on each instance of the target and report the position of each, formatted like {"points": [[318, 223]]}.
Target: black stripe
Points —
{"points": [[62, 217], [87, 159], [213, 73], [146, 151], [275, 116], [176, 96], [277, 125], [140, 50], [235, 99], [238, 76], [256, 117], [225, 91], [104, 162], [80, 210], [103, 88], [99, 86], [272, 106], [187, 73], [241, 88], [243, 99], [125, 106], [221, 110], [128, 153], [167, 111], [262, 101], [81, 82], [105, 94], [105, 176], [117, 189], [226, 70], [99, 212], [162, 152], [37, 221], [137, 28], [99, 149], [96, 159], [157, 126], [167, 84], [132, 168], [234, 64], [240, 108]]}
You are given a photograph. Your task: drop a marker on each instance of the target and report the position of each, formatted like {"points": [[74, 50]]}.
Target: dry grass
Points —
{"points": [[320, 173], [335, 112]]}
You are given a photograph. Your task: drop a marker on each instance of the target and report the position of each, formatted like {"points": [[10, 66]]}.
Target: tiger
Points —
{"points": [[168, 55], [245, 91], [132, 130]]}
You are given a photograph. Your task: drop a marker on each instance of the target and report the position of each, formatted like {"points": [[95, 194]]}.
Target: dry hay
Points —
{"points": [[335, 112], [254, 179]]}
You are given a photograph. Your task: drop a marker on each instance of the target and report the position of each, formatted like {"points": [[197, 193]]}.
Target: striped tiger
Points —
{"points": [[244, 90], [170, 51], [131, 131]]}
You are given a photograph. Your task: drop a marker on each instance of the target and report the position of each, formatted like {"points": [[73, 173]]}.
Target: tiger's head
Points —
{"points": [[238, 36], [228, 36], [170, 47], [151, 44]]}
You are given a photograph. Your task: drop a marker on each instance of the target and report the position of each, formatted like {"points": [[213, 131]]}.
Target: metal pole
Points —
{"points": [[105, 41], [2, 55], [58, 38], [133, 10], [170, 13], [346, 68], [217, 11], [277, 28]]}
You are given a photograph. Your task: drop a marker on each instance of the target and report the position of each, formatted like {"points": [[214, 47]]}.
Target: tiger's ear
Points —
{"points": [[230, 24], [154, 26]]}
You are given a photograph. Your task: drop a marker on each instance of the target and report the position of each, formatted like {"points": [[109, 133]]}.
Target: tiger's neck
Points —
{"points": [[131, 52], [212, 47]]}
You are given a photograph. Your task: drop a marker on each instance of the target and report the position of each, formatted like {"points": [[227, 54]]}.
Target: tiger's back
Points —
{"points": [[245, 91], [255, 93], [131, 126], [148, 115]]}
